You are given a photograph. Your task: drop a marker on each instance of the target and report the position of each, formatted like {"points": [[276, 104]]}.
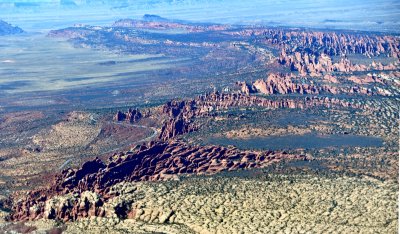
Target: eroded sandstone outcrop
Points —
{"points": [[310, 53], [289, 84], [181, 113], [152, 161], [132, 115], [283, 84], [176, 126], [336, 43], [318, 65], [221, 101]]}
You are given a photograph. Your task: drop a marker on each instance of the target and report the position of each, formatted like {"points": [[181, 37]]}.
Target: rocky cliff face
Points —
{"points": [[176, 126], [246, 88], [181, 114], [154, 161], [132, 115]]}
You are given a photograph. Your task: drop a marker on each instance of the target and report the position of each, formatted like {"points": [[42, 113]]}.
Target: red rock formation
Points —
{"points": [[154, 161], [133, 115], [157, 160], [330, 78], [174, 127], [284, 84], [333, 43], [184, 108], [366, 79], [330, 43], [182, 112], [246, 88], [317, 65], [205, 104], [309, 52]]}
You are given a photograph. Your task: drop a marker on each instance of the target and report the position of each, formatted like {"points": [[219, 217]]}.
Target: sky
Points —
{"points": [[370, 15]]}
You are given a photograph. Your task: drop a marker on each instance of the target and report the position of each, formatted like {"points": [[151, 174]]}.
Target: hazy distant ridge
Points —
{"points": [[8, 29]]}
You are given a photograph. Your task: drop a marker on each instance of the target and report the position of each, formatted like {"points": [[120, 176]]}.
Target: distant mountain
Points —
{"points": [[8, 29], [154, 18]]}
